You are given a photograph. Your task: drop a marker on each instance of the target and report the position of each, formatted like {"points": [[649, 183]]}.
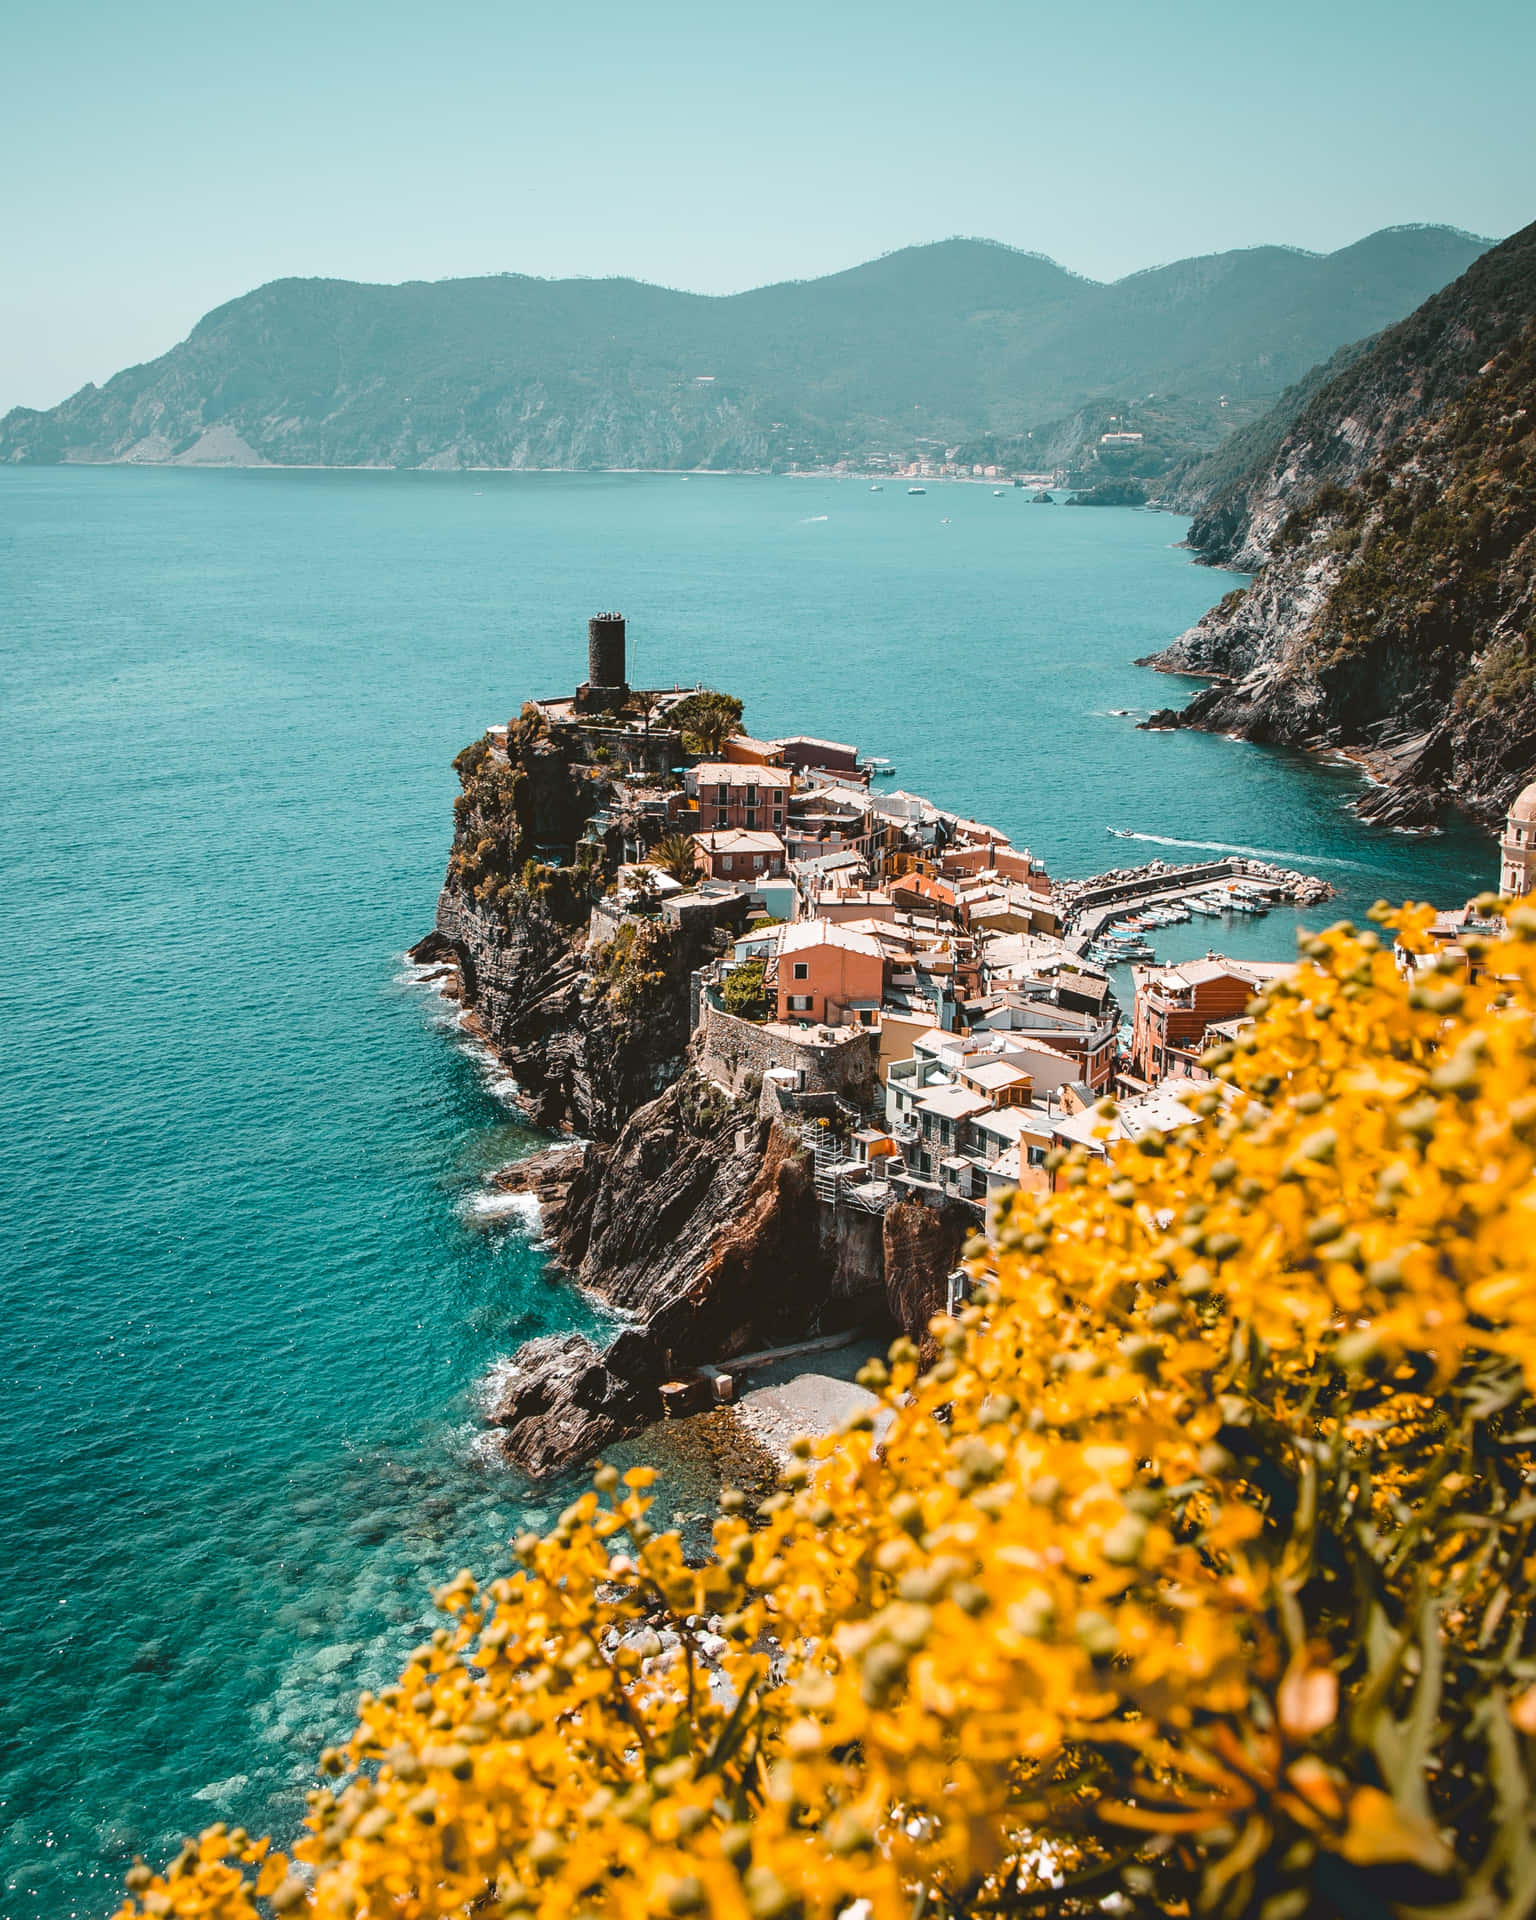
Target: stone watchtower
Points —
{"points": [[1517, 848], [606, 689]]}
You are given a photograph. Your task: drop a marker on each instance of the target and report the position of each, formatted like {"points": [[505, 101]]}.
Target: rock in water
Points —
{"points": [[561, 1400]]}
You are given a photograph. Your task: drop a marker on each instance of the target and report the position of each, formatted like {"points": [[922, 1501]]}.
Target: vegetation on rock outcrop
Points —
{"points": [[1397, 608], [1193, 1575]]}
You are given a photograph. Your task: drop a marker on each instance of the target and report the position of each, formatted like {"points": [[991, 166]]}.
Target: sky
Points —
{"points": [[164, 157]]}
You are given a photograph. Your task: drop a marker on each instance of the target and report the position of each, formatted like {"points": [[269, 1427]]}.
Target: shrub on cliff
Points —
{"points": [[633, 967], [1194, 1576]]}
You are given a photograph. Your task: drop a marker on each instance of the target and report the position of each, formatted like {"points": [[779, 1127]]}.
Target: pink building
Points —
{"points": [[749, 797], [734, 853]]}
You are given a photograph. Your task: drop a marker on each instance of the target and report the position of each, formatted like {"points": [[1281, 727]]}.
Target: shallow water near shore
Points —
{"points": [[250, 1284]]}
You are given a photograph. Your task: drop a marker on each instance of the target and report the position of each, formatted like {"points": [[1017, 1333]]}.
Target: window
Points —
{"points": [[802, 969], [751, 819], [751, 796], [799, 1002], [724, 796], [725, 863], [757, 861]]}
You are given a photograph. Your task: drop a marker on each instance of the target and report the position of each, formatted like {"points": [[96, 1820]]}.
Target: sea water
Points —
{"points": [[252, 1286]]}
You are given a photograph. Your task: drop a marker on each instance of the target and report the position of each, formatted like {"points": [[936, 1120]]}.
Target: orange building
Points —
{"points": [[827, 975], [741, 750], [920, 893]]}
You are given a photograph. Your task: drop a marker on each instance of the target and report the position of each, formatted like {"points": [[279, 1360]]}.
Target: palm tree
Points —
{"points": [[645, 704], [678, 856], [707, 721]]}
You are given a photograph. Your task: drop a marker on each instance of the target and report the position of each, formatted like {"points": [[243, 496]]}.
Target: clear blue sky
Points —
{"points": [[161, 157]]}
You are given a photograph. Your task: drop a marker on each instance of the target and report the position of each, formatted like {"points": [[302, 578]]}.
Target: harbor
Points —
{"points": [[1110, 917]]}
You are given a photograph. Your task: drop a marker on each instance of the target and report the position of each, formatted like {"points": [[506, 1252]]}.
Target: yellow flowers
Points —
{"points": [[1194, 1569]]}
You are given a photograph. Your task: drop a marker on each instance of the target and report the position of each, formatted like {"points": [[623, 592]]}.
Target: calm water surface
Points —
{"points": [[248, 1292]]}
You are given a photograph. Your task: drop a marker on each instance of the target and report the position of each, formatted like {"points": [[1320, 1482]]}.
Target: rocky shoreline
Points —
{"points": [[1390, 530], [698, 1225]]}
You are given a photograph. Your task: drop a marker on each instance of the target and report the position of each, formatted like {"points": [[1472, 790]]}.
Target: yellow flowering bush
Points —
{"points": [[1193, 1576]]}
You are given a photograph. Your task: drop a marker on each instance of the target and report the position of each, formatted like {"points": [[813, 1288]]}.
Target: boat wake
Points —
{"points": [[1248, 853]]}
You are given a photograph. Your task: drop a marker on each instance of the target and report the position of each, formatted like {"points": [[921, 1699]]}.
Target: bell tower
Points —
{"points": [[1517, 848]]}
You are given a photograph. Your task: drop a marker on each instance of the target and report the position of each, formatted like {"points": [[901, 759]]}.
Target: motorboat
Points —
{"points": [[917, 489]]}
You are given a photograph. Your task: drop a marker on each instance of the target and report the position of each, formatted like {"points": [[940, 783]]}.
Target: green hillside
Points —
{"points": [[930, 346]]}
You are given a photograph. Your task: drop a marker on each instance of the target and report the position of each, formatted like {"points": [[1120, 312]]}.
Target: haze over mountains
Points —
{"points": [[960, 343]]}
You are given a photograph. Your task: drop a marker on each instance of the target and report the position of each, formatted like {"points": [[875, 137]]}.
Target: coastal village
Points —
{"points": [[903, 984]]}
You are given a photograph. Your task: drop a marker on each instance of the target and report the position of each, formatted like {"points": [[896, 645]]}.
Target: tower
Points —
{"points": [[1517, 847], [606, 685]]}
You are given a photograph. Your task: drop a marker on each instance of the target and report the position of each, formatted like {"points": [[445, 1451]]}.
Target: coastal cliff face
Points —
{"points": [[700, 1225], [684, 1211], [1394, 531], [588, 1034]]}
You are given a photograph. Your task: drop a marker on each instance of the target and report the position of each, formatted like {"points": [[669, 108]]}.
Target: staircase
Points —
{"points": [[825, 1154]]}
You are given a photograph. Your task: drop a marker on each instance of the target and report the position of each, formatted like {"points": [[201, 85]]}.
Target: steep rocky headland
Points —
{"points": [[687, 1208], [1392, 529]]}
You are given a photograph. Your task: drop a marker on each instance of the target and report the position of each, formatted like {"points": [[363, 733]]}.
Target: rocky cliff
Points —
{"points": [[689, 1212], [588, 1032], [700, 1225], [1392, 532]]}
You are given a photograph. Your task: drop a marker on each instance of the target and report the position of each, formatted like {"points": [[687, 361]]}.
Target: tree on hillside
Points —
{"points": [[677, 855], [1186, 1570], [707, 720], [743, 992]]}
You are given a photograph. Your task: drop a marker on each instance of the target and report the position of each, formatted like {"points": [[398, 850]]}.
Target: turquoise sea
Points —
{"points": [[248, 1295]]}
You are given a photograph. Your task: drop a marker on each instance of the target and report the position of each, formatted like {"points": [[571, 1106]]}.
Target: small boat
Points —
{"points": [[878, 769], [917, 489], [997, 493], [877, 489]]}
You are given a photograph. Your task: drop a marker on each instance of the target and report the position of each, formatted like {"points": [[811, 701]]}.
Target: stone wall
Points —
{"points": [[732, 1050], [1165, 882]]}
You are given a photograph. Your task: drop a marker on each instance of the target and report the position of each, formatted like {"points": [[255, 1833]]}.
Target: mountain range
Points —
{"points": [[963, 344]]}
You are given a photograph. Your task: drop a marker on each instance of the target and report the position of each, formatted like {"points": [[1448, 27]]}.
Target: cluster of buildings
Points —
{"points": [[893, 929], [897, 974]]}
